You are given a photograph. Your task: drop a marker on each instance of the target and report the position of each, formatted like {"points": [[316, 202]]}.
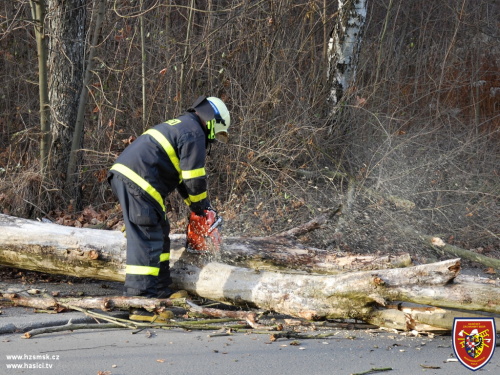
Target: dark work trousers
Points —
{"points": [[147, 230]]}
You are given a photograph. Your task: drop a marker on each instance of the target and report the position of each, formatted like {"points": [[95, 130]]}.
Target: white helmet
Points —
{"points": [[222, 119]]}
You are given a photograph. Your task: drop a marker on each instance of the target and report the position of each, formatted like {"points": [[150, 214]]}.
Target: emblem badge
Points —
{"points": [[474, 341]]}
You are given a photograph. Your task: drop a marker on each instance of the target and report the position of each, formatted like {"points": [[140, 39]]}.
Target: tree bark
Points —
{"points": [[353, 294], [343, 47], [38, 12], [359, 294], [102, 303], [278, 254], [420, 319], [66, 66], [77, 136]]}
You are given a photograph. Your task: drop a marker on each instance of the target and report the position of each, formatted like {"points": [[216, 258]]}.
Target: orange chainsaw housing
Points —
{"points": [[199, 237]]}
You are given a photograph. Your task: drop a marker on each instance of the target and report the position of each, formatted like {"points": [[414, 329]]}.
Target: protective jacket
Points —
{"points": [[166, 157], [169, 156]]}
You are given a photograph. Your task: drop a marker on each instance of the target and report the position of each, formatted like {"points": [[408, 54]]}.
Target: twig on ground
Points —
{"points": [[68, 327], [297, 335], [373, 370], [220, 313], [95, 315]]}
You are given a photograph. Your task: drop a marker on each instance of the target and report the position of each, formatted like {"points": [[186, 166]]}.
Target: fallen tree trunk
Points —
{"points": [[353, 294], [421, 318], [100, 254], [101, 303], [279, 253], [58, 249], [442, 247], [436, 242]]}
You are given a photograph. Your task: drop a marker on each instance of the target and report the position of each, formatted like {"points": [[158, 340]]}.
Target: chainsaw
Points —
{"points": [[203, 232]]}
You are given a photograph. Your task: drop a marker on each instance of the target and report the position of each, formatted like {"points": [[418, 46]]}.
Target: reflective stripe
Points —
{"points": [[164, 257], [170, 151], [173, 122], [139, 181], [186, 175], [197, 198], [142, 270], [167, 147]]}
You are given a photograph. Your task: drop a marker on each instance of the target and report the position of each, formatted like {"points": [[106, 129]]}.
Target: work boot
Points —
{"points": [[169, 293], [143, 315]]}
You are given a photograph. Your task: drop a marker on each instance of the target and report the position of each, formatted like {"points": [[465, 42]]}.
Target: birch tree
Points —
{"points": [[343, 47]]}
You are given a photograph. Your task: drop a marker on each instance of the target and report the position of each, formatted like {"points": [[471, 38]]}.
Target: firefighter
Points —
{"points": [[170, 156]]}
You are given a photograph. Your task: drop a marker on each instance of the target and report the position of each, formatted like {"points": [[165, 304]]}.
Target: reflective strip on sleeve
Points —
{"points": [[167, 147], [199, 197], [139, 181], [164, 257], [187, 201], [200, 172], [142, 270]]}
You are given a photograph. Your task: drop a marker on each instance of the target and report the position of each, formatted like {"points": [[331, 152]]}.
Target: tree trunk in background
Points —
{"points": [[72, 186], [66, 59], [144, 59], [343, 47], [38, 13], [185, 66]]}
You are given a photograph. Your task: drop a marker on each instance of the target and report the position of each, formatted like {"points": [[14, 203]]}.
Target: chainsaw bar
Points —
{"points": [[217, 224]]}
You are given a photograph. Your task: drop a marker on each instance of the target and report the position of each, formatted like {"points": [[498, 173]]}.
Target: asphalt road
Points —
{"points": [[175, 351]]}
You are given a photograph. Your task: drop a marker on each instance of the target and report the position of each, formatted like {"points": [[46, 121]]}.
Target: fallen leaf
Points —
{"points": [[490, 271], [436, 241], [360, 102]]}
